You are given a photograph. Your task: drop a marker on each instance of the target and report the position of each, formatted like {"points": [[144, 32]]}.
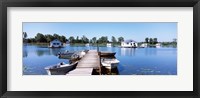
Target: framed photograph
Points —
{"points": [[99, 48]]}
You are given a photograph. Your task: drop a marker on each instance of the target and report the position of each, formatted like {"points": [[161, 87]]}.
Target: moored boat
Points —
{"points": [[66, 54], [109, 45], [110, 63], [144, 45], [87, 45], [158, 45], [107, 54], [60, 68]]}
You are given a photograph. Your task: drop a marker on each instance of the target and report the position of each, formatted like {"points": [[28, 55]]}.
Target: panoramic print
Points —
{"points": [[99, 48]]}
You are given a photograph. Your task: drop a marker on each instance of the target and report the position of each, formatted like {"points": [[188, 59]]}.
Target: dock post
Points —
{"points": [[99, 53], [97, 47]]}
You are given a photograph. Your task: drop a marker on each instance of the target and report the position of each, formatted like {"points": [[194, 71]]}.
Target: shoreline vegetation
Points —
{"points": [[102, 41], [164, 44]]}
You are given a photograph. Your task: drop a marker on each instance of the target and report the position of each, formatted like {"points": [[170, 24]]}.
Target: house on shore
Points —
{"points": [[129, 44], [55, 43]]}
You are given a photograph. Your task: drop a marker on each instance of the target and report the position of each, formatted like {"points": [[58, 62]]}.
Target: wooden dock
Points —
{"points": [[86, 65]]}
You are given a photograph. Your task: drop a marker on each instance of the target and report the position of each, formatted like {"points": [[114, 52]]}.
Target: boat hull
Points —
{"points": [[107, 54], [65, 55], [110, 63], [54, 70]]}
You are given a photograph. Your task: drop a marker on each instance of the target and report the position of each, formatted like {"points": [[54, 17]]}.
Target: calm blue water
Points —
{"points": [[139, 61]]}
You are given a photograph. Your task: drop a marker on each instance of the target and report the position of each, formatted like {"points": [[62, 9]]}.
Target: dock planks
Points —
{"points": [[89, 62], [81, 71]]}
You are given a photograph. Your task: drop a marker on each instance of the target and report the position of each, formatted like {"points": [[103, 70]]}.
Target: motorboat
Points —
{"points": [[110, 63], [82, 53], [109, 45], [158, 45], [60, 68], [107, 54], [144, 45], [87, 45], [66, 54]]}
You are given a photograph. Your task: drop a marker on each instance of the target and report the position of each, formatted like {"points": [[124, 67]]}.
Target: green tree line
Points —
{"points": [[173, 43], [151, 40], [101, 40], [41, 38]]}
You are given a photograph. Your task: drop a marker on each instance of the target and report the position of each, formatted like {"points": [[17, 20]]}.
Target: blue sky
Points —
{"points": [[138, 31]]}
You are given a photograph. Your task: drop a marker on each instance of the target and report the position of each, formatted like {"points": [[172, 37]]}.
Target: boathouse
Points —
{"points": [[129, 44], [55, 43]]}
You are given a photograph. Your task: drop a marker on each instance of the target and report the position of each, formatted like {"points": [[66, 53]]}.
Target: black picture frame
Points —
{"points": [[99, 3]]}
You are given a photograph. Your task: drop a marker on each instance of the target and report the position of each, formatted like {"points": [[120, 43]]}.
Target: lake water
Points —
{"points": [[133, 61]]}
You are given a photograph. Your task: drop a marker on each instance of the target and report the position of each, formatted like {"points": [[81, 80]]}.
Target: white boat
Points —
{"points": [[144, 45], [109, 63], [109, 45], [82, 53], [87, 45], [107, 54], [60, 68], [158, 45], [66, 54]]}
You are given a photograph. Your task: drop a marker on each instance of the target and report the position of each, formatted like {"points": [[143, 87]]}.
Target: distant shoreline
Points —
{"points": [[102, 44]]}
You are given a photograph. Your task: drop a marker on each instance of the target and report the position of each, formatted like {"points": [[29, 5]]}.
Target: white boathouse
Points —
{"points": [[55, 43], [129, 44]]}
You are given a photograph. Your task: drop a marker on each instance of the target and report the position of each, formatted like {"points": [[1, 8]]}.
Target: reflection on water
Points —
{"points": [[127, 52], [148, 61], [25, 53], [150, 51], [138, 61]]}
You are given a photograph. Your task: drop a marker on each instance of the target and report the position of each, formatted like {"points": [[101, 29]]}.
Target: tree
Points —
{"points": [[66, 40], [91, 41], [151, 41], [71, 39], [120, 39], [174, 42], [40, 38], [63, 39], [103, 39], [49, 38], [31, 40], [24, 36], [94, 40], [77, 40], [85, 39], [147, 40], [99, 40], [114, 39], [155, 41], [56, 36]]}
